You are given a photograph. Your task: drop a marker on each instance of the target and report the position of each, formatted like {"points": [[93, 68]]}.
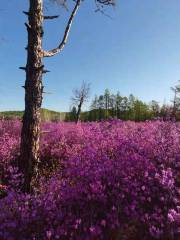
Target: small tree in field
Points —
{"points": [[30, 135], [80, 96]]}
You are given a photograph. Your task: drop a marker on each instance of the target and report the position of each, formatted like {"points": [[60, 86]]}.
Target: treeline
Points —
{"points": [[110, 105], [107, 106]]}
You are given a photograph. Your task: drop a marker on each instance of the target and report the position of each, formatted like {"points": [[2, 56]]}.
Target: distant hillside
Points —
{"points": [[46, 115], [11, 114]]}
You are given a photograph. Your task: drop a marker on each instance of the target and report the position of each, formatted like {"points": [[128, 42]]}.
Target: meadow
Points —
{"points": [[110, 180]]}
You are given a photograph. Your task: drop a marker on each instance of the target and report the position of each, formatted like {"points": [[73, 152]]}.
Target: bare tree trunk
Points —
{"points": [[30, 135], [78, 112]]}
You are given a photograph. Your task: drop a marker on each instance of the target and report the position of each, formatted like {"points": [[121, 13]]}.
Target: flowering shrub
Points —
{"points": [[111, 180]]}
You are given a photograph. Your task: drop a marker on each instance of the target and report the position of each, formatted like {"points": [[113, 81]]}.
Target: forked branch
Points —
{"points": [[55, 51]]}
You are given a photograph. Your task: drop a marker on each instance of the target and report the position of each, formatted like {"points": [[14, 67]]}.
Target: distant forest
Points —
{"points": [[108, 105]]}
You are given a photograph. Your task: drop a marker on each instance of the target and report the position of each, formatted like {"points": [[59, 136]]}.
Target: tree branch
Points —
{"points": [[66, 33], [51, 17], [45, 17]]}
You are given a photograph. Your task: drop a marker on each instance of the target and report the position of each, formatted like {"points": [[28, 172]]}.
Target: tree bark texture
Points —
{"points": [[30, 135]]}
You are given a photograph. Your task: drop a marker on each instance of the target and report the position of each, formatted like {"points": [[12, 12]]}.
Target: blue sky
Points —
{"points": [[138, 51]]}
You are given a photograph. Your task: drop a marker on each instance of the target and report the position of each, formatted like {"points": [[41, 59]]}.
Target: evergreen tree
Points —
{"points": [[107, 102]]}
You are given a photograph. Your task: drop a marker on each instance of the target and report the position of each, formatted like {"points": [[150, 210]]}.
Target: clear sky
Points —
{"points": [[138, 51]]}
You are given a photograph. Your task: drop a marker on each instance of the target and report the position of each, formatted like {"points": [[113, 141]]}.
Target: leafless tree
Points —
{"points": [[80, 96], [30, 135]]}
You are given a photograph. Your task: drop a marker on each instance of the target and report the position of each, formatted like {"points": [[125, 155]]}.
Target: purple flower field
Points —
{"points": [[111, 180]]}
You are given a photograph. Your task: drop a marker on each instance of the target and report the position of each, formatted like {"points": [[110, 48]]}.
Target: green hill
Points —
{"points": [[46, 115]]}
